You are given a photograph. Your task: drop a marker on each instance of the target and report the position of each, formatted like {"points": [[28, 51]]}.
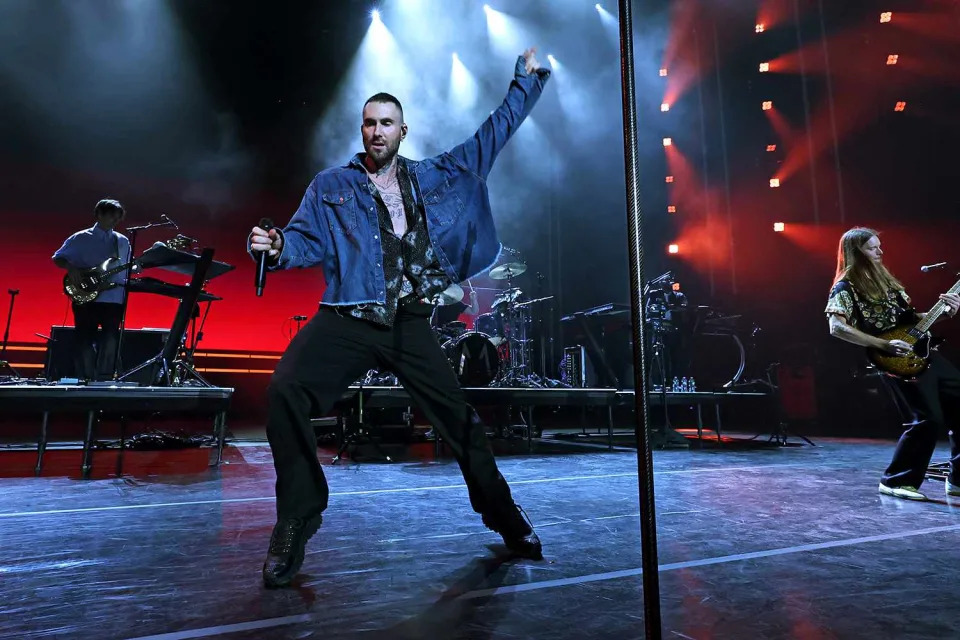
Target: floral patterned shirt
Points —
{"points": [[410, 267], [869, 315]]}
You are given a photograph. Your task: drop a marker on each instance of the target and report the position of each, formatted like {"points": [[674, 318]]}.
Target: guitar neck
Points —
{"points": [[935, 312]]}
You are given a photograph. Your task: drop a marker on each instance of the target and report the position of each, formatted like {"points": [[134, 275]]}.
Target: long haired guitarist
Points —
{"points": [[869, 307], [85, 250]]}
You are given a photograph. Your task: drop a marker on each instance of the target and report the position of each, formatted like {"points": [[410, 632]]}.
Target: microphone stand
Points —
{"points": [[6, 334], [166, 222]]}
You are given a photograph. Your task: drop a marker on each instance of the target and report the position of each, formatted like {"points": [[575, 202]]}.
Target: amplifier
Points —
{"points": [[139, 345], [573, 369]]}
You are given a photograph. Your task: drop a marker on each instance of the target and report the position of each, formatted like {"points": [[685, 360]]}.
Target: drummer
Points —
{"points": [[450, 311]]}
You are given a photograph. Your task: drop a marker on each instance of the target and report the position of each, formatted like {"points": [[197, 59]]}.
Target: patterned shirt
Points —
{"points": [[869, 315], [410, 266]]}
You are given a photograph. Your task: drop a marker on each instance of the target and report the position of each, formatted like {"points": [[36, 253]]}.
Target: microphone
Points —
{"points": [[170, 222], [931, 267], [261, 275]]}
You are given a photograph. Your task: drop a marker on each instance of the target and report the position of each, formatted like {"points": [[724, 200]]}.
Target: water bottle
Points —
{"points": [[693, 385], [684, 384], [676, 384]]}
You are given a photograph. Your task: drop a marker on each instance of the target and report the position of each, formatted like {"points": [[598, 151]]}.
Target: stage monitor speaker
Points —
{"points": [[139, 345]]}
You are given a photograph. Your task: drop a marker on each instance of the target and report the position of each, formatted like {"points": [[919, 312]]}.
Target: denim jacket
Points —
{"points": [[336, 225]]}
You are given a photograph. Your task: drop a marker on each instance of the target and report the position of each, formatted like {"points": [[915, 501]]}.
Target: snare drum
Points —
{"points": [[474, 358]]}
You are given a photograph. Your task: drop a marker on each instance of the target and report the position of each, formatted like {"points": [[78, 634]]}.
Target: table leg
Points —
{"points": [[716, 407], [610, 427], [700, 425], [220, 431], [88, 445], [42, 443], [530, 428]]}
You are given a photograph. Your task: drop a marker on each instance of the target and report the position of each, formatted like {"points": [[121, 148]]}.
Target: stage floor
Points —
{"points": [[769, 543]]}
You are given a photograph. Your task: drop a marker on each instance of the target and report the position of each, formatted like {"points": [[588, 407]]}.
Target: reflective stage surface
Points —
{"points": [[783, 543]]}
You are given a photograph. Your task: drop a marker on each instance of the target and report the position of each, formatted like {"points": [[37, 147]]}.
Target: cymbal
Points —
{"points": [[508, 270], [450, 295]]}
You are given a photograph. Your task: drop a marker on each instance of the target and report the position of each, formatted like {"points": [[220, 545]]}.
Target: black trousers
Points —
{"points": [[331, 352], [935, 398], [94, 357]]}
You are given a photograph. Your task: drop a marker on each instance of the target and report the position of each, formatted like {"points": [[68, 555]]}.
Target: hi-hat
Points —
{"points": [[508, 270], [450, 295]]}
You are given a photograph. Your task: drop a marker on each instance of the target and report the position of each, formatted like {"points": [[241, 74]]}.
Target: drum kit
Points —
{"points": [[498, 351]]}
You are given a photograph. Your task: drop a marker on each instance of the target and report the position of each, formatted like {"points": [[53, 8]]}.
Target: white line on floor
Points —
{"points": [[19, 514], [551, 584]]}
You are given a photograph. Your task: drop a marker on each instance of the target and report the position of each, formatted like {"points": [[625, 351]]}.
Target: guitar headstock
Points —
{"points": [[181, 242]]}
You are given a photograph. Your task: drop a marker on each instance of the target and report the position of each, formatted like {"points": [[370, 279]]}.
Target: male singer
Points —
{"points": [[390, 234]]}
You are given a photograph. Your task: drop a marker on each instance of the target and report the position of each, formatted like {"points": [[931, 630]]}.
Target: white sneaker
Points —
{"points": [[907, 493], [952, 489]]}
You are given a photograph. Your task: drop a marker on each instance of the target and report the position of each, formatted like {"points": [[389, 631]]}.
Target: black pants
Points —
{"points": [[330, 353], [935, 398], [96, 362]]}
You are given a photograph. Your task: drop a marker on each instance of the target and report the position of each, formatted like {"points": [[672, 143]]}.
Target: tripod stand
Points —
{"points": [[4, 363]]}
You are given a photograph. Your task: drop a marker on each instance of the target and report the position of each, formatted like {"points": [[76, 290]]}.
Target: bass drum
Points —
{"points": [[474, 358]]}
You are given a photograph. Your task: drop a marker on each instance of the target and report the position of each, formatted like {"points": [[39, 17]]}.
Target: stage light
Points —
{"points": [[764, 67], [674, 248], [667, 142], [760, 28], [669, 179], [486, 7], [893, 59], [900, 106], [375, 15], [767, 105], [672, 208], [551, 59], [774, 183], [886, 16], [663, 73], [664, 107], [778, 227], [598, 7], [675, 286], [771, 147]]}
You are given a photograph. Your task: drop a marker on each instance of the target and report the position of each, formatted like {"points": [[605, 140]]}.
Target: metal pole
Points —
{"points": [[648, 518]]}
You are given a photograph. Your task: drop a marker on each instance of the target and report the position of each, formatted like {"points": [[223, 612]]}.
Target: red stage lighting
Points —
{"points": [[771, 147], [774, 183], [893, 59], [767, 105], [760, 28], [665, 107], [764, 67], [675, 286], [669, 178], [663, 73], [900, 106], [674, 248], [667, 142], [778, 227], [886, 16], [671, 208]]}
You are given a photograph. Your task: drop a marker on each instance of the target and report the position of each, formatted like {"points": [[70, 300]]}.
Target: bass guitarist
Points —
{"points": [[867, 303], [85, 249]]}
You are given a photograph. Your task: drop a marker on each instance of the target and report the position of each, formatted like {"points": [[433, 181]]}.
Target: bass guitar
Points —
{"points": [[910, 366], [96, 279]]}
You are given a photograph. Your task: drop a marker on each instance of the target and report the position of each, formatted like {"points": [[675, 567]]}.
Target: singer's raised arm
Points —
{"points": [[479, 151]]}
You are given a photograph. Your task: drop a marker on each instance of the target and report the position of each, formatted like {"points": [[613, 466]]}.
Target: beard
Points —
{"points": [[382, 156]]}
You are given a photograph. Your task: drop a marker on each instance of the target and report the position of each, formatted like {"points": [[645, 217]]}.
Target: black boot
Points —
{"points": [[287, 543], [517, 532]]}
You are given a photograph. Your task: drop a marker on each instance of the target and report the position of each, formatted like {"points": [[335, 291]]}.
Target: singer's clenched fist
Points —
{"points": [[270, 241]]}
